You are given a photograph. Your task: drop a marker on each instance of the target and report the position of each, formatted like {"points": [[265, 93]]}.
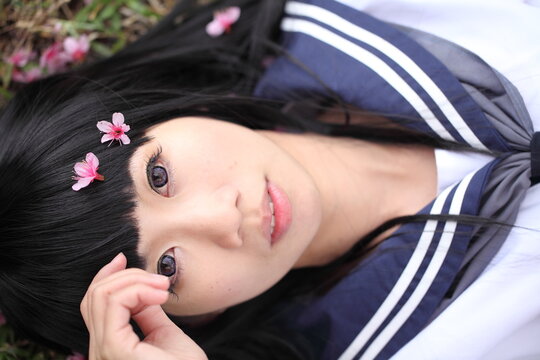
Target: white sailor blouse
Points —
{"points": [[416, 274]]}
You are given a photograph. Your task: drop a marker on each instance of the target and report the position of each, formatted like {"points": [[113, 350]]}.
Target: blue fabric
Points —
{"points": [[331, 323], [359, 84]]}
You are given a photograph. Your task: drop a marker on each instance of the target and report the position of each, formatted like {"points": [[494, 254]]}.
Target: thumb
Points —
{"points": [[162, 333], [152, 319]]}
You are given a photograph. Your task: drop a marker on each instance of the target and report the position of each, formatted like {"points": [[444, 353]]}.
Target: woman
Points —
{"points": [[385, 259]]}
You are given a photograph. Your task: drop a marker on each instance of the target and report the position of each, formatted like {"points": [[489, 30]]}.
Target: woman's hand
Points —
{"points": [[114, 297]]}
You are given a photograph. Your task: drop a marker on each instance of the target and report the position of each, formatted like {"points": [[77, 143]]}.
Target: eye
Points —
{"points": [[166, 265], [158, 176]]}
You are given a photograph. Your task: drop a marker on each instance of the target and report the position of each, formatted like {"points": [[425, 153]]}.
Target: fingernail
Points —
{"points": [[117, 257], [161, 277]]}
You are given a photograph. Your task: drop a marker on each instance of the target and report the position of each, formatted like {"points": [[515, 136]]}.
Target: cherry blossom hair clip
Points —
{"points": [[223, 20], [86, 172], [114, 131]]}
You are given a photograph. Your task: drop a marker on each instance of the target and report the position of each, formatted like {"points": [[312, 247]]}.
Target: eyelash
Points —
{"points": [[150, 164], [171, 291], [178, 272]]}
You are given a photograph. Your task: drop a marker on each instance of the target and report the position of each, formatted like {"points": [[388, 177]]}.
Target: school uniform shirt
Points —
{"points": [[434, 289]]}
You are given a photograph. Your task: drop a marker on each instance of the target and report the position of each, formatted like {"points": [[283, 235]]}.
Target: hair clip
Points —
{"points": [[114, 131], [86, 172], [223, 20]]}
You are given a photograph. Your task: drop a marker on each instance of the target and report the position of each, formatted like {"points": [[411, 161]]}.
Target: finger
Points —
{"points": [[152, 319], [118, 335], [161, 333], [102, 292], [117, 280], [118, 263]]}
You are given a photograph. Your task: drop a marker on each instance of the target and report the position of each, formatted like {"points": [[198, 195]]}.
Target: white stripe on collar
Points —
{"points": [[379, 66], [407, 276]]}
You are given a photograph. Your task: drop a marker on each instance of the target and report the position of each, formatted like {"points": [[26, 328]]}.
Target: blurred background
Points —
{"points": [[39, 38]]}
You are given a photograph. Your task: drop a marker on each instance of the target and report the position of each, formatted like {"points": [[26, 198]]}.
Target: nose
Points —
{"points": [[214, 216]]}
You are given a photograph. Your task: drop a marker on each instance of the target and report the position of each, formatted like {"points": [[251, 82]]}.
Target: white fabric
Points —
{"points": [[498, 316], [453, 166]]}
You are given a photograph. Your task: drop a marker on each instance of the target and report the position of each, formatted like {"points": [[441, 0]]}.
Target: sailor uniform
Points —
{"points": [[414, 295]]}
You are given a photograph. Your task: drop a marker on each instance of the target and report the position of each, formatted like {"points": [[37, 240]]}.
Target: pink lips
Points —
{"points": [[282, 211]]}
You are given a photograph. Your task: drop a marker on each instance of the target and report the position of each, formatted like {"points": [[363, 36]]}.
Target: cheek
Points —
{"points": [[221, 280]]}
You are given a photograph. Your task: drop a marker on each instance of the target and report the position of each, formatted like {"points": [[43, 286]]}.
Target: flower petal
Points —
{"points": [[70, 44], [125, 128], [92, 161], [82, 169], [84, 182], [232, 14], [84, 43], [118, 118], [125, 139], [214, 28], [104, 126], [107, 137]]}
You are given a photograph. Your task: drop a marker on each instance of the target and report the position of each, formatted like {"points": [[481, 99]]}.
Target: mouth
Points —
{"points": [[280, 210]]}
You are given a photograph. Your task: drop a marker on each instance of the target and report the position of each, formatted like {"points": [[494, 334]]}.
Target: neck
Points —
{"points": [[362, 185]]}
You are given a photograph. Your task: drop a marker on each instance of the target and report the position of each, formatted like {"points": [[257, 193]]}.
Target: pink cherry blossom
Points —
{"points": [[114, 131], [21, 57], [76, 49], [26, 76], [76, 356], [86, 172], [2, 319], [223, 21], [54, 59]]}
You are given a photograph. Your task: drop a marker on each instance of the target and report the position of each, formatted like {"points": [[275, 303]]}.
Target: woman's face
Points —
{"points": [[205, 191]]}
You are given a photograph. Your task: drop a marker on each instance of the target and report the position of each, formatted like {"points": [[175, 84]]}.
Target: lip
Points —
{"points": [[282, 212], [266, 216]]}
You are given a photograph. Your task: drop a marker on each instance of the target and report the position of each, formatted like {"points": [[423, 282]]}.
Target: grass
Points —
{"points": [[35, 25]]}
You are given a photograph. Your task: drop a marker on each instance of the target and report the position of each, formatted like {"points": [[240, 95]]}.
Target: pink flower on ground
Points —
{"points": [[54, 59], [86, 172], [76, 356], [57, 28], [223, 21], [21, 57], [26, 76], [114, 131], [76, 49], [2, 319]]}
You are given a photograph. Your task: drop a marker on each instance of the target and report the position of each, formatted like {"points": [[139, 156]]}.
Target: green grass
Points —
{"points": [[36, 24], [13, 347]]}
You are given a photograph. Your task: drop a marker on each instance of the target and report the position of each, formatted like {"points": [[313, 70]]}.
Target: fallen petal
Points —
{"points": [[214, 28], [70, 44], [231, 14]]}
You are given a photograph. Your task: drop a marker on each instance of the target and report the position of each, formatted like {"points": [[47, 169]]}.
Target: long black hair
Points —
{"points": [[54, 240]]}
